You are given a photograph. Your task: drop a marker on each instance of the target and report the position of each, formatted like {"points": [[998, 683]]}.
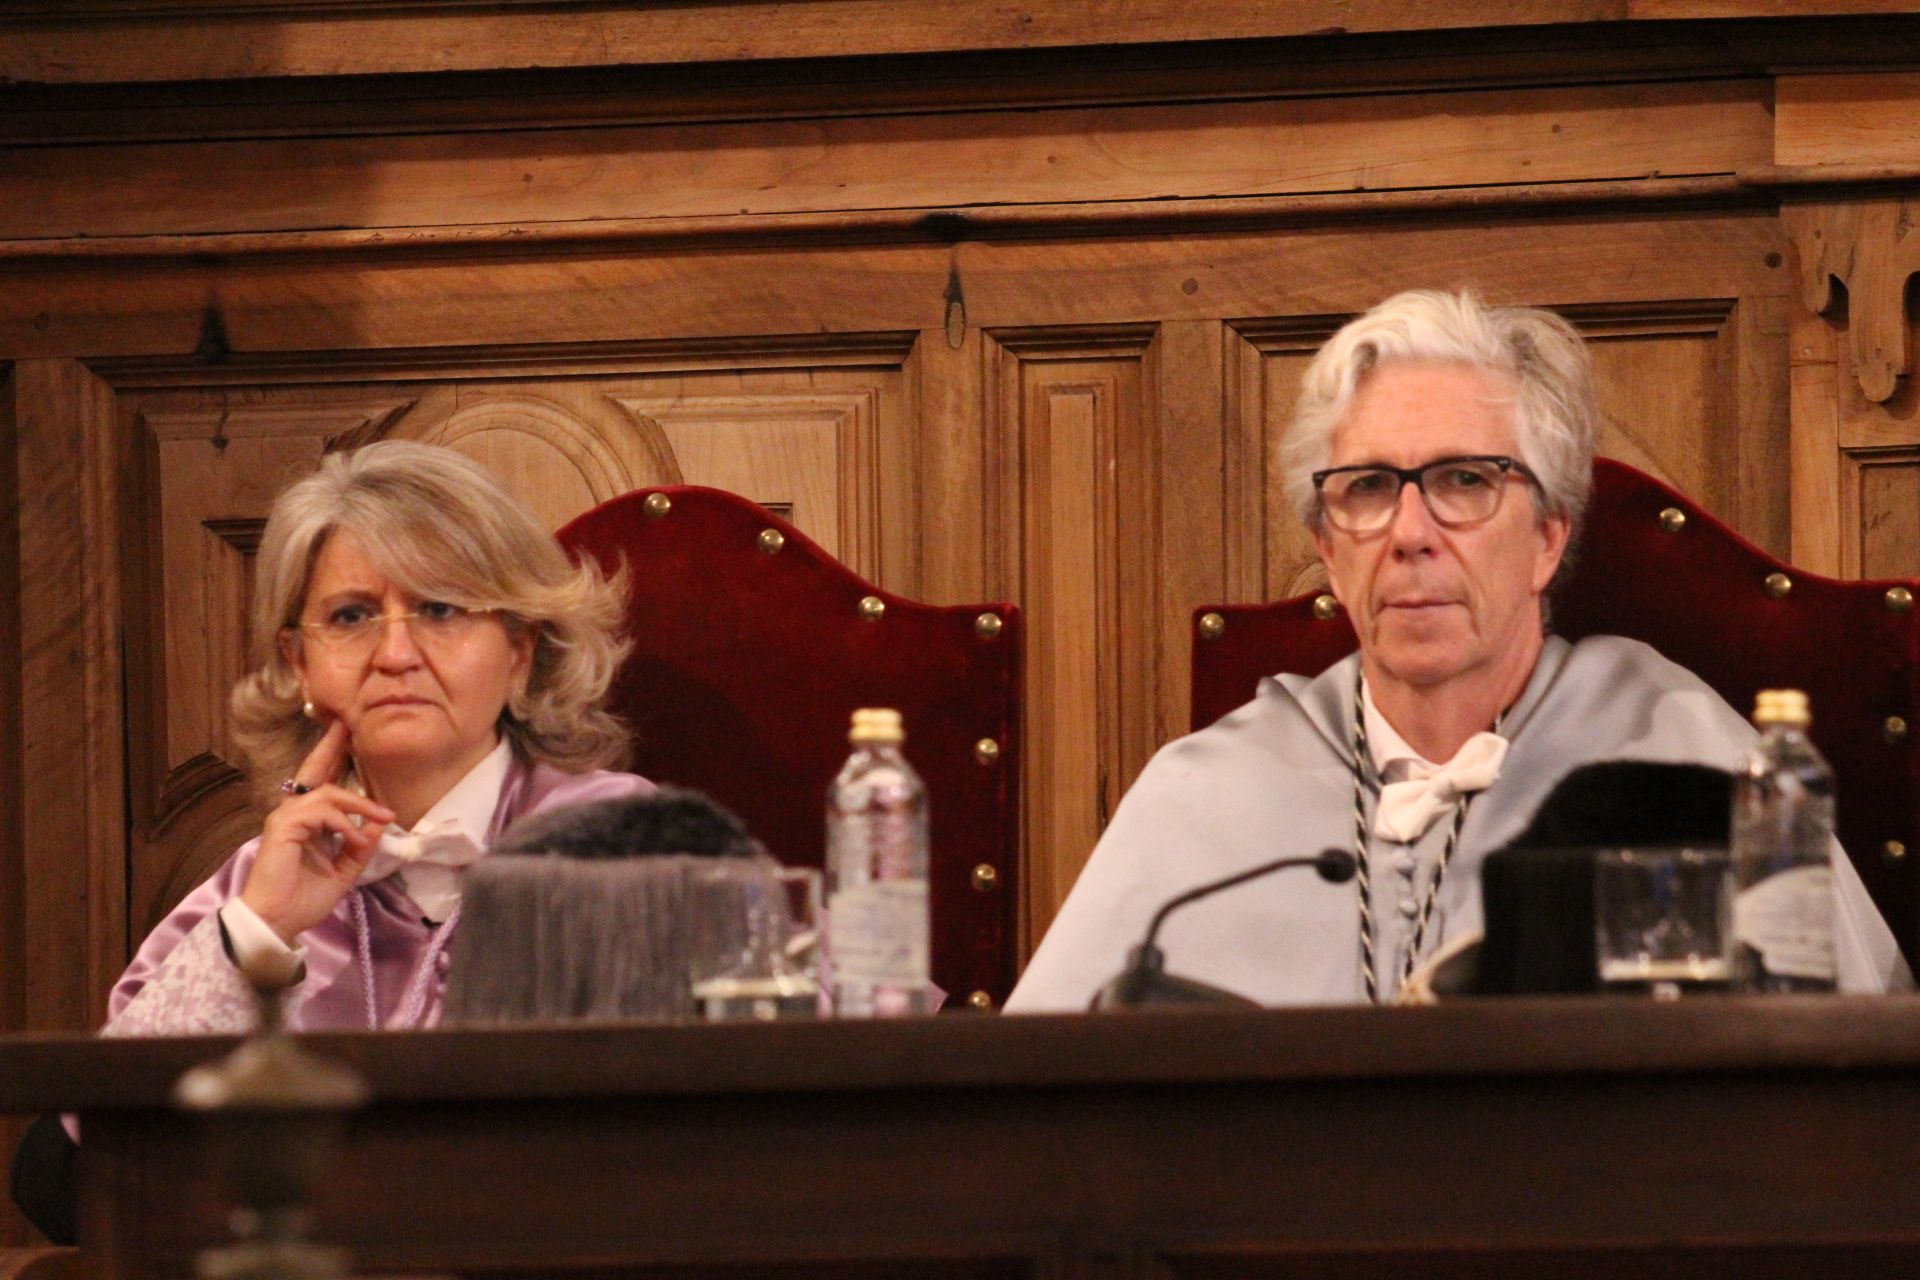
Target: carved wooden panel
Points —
{"points": [[1852, 458], [810, 442]]}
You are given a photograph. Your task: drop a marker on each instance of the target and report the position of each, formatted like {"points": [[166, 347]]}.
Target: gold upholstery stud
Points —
{"points": [[1212, 626], [981, 1001], [872, 608], [1895, 728], [657, 505], [770, 541], [1325, 607], [1899, 600], [985, 878], [1895, 850], [1673, 520], [987, 626], [1777, 585], [986, 751]]}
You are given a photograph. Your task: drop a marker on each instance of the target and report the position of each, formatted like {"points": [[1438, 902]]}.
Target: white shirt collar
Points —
{"points": [[1389, 750]]}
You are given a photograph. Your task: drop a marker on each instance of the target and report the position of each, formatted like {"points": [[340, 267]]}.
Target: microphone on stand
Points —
{"points": [[1145, 981]]}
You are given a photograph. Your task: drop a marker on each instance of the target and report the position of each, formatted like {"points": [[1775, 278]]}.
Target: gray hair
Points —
{"points": [[1555, 406], [438, 525]]}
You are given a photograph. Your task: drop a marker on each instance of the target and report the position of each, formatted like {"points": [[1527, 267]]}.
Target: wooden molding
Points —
{"points": [[529, 359], [940, 224], [130, 41], [1871, 249]]}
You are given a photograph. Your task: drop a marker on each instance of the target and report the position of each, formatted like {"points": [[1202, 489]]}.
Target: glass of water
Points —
{"points": [[1663, 920], [756, 941]]}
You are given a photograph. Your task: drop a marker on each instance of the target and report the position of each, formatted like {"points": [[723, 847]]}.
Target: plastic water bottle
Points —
{"points": [[878, 923], [1782, 834]]}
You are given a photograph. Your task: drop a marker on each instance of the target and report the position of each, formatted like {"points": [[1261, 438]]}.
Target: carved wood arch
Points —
{"points": [[1871, 248]]}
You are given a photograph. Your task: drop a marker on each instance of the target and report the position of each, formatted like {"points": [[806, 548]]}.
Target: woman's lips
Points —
{"points": [[397, 701]]}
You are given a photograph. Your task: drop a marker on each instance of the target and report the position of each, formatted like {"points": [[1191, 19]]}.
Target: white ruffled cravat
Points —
{"points": [[1407, 808]]}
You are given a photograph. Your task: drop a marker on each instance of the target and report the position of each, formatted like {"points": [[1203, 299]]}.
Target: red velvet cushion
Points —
{"points": [[747, 665], [1698, 596]]}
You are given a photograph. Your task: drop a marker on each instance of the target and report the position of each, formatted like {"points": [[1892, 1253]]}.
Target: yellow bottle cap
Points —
{"points": [[877, 724], [1782, 706]]}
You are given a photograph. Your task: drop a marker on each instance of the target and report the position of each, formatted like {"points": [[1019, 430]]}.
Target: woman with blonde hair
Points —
{"points": [[432, 669]]}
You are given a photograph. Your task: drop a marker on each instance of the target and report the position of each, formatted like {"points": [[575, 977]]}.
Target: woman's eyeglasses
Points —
{"points": [[355, 630], [1458, 491]]}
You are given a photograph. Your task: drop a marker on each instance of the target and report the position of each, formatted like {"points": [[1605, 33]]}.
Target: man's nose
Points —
{"points": [[1413, 528]]}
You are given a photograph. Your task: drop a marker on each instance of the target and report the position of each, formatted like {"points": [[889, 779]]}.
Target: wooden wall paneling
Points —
{"points": [[1206, 150], [1855, 119], [1072, 420], [960, 500], [13, 870], [824, 448], [1192, 506], [563, 447], [1245, 424], [1888, 484], [1878, 461], [1853, 398], [13, 993], [1814, 473], [1272, 354], [1756, 390], [1695, 393], [73, 838]]}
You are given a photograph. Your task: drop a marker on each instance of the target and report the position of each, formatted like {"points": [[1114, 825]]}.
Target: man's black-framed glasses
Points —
{"points": [[1458, 491]]}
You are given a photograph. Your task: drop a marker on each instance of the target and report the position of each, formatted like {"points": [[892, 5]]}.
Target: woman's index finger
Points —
{"points": [[327, 762]]}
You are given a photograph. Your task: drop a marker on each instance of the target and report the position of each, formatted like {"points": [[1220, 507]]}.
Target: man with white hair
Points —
{"points": [[1441, 456]]}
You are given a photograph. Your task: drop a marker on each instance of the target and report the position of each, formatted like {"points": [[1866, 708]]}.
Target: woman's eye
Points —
{"points": [[438, 611], [350, 615]]}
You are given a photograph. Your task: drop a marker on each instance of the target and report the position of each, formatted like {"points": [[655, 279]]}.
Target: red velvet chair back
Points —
{"points": [[752, 647], [1653, 566]]}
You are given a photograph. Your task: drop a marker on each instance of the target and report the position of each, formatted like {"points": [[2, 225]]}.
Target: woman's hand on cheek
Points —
{"points": [[311, 848]]}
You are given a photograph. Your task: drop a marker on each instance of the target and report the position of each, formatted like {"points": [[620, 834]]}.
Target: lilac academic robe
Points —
{"points": [[181, 983]]}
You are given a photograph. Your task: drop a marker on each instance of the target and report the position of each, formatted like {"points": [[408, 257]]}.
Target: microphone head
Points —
{"points": [[1336, 866]]}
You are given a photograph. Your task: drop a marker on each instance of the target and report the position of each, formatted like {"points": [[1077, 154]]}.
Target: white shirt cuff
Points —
{"points": [[258, 951]]}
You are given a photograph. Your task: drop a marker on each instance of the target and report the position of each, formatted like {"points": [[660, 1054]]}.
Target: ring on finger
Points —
{"points": [[288, 787]]}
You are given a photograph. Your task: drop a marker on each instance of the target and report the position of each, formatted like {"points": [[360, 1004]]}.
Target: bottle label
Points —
{"points": [[1788, 919], [878, 933]]}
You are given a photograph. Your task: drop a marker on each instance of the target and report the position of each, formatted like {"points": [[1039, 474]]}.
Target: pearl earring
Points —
{"points": [[307, 708]]}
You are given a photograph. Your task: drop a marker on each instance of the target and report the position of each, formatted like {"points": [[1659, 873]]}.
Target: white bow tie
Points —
{"points": [[445, 843], [1408, 808]]}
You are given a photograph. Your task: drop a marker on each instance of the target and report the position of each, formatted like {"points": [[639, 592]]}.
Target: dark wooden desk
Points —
{"points": [[1578, 1138]]}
